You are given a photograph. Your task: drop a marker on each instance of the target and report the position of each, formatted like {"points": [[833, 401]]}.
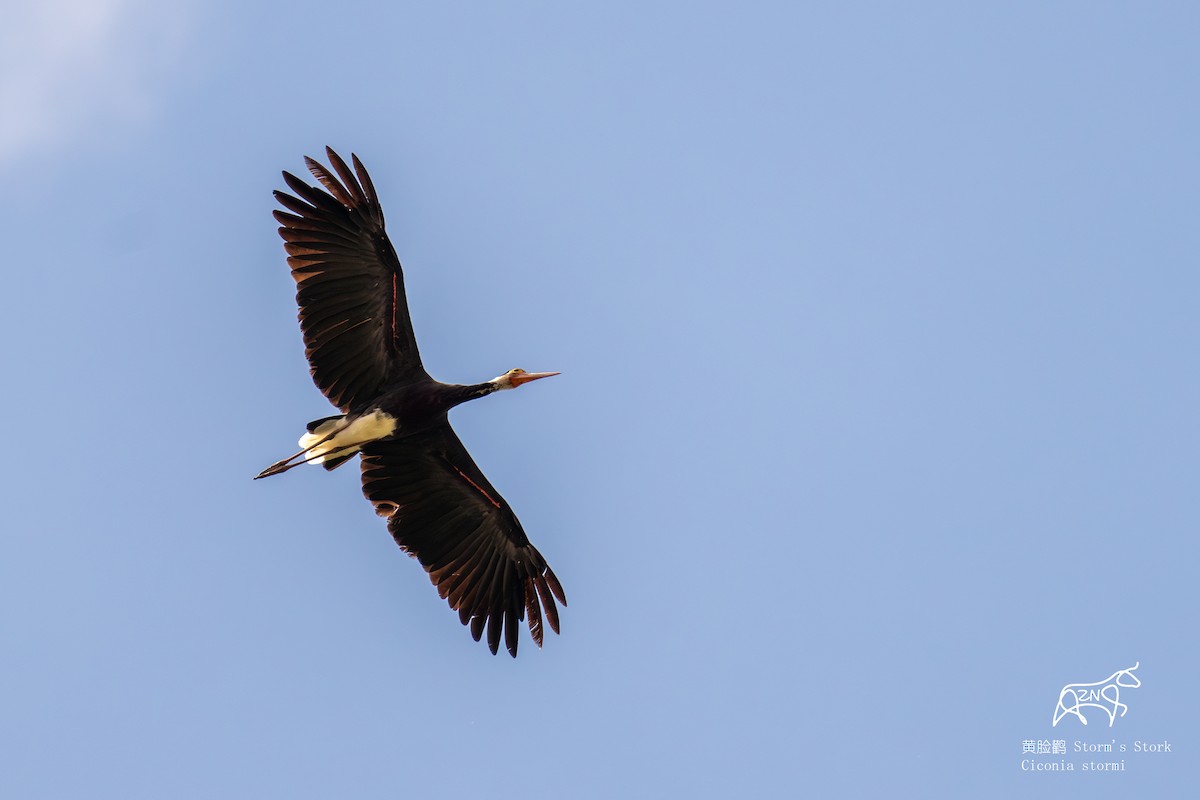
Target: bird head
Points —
{"points": [[515, 377]]}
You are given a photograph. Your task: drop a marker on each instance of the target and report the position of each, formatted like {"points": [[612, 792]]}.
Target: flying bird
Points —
{"points": [[363, 356]]}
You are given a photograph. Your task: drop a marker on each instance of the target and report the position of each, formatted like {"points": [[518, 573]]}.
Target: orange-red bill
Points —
{"points": [[526, 377]]}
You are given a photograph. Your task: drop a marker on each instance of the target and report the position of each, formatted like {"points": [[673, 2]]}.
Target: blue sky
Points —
{"points": [[877, 422]]}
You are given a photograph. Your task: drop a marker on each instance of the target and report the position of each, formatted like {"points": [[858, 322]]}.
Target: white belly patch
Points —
{"points": [[347, 438]]}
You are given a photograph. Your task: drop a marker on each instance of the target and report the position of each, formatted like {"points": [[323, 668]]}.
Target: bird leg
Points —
{"points": [[325, 439], [281, 466]]}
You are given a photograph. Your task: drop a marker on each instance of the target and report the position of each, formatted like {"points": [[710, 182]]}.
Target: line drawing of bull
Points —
{"points": [[1076, 696]]}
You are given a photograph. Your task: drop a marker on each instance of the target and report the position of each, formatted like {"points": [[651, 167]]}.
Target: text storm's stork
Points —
{"points": [[363, 356]]}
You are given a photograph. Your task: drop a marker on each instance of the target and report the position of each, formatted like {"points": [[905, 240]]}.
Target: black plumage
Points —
{"points": [[363, 356]]}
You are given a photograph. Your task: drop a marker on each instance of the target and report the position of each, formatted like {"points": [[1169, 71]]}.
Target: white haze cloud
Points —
{"points": [[74, 68]]}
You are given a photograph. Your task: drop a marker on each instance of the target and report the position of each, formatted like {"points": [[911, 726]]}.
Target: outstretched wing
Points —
{"points": [[442, 510], [358, 336]]}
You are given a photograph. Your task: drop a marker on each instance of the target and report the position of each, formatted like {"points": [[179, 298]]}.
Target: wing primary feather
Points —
{"points": [[476, 595], [331, 184], [347, 178], [494, 626], [477, 623], [293, 204], [311, 220], [320, 201], [365, 180], [547, 603], [330, 202], [503, 605], [294, 183], [511, 631], [533, 612], [555, 586]]}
